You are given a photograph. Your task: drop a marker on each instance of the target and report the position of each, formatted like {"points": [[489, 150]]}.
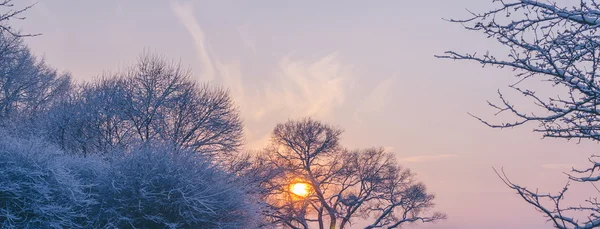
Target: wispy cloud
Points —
{"points": [[310, 88], [377, 100], [427, 158], [297, 87], [558, 166], [186, 16]]}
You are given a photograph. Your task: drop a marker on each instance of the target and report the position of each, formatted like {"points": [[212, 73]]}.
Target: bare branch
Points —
{"points": [[12, 14], [344, 184], [558, 45]]}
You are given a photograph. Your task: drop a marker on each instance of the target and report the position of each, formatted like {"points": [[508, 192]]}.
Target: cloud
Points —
{"points": [[558, 166], [294, 88], [427, 158], [309, 88], [184, 13], [377, 100]]}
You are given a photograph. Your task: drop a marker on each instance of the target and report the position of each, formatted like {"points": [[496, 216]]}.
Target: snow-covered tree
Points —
{"points": [[151, 186], [164, 103], [337, 185], [28, 87], [152, 101], [160, 134], [90, 120], [40, 187], [156, 187], [559, 45]]}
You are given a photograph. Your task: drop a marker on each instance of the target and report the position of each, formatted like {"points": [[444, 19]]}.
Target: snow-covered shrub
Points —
{"points": [[39, 187], [148, 187], [155, 187]]}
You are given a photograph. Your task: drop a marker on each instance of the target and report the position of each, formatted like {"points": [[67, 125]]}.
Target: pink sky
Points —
{"points": [[367, 67]]}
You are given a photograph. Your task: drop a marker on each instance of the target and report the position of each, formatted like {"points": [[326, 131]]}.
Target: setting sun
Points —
{"points": [[300, 189]]}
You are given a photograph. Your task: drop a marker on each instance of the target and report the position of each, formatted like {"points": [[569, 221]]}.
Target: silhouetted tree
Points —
{"points": [[342, 184]]}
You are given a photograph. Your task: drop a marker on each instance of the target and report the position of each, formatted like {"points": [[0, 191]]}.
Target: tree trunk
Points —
{"points": [[321, 225], [343, 223], [333, 221]]}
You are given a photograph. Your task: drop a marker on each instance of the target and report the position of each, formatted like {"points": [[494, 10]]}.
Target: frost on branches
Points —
{"points": [[154, 187], [148, 187], [558, 44], [38, 188]]}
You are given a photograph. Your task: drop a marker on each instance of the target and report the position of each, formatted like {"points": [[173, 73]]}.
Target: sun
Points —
{"points": [[300, 189]]}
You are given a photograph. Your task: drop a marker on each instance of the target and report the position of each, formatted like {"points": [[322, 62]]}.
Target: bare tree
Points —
{"points": [[559, 45], [380, 188], [165, 104], [28, 87], [153, 101], [341, 184], [91, 119]]}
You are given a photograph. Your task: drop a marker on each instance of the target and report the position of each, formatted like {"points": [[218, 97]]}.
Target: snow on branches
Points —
{"points": [[551, 43], [556, 44]]}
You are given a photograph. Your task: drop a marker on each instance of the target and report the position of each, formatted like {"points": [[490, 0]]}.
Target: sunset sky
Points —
{"points": [[366, 66]]}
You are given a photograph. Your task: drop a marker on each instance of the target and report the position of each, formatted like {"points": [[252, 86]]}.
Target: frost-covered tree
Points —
{"points": [[152, 101], [91, 120], [28, 87], [164, 103], [40, 187], [337, 185], [160, 133], [150, 186], [560, 45], [156, 187]]}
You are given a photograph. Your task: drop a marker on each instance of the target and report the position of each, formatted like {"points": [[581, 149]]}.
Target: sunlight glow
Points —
{"points": [[300, 189]]}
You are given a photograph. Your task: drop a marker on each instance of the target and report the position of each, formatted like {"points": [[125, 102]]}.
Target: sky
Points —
{"points": [[365, 66]]}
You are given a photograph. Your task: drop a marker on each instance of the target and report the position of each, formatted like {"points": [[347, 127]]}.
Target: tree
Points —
{"points": [[40, 187], [90, 119], [150, 186], [152, 101], [164, 103], [559, 45], [155, 187], [340, 184], [28, 87], [160, 133]]}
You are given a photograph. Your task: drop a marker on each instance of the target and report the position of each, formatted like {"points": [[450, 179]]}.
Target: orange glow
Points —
{"points": [[300, 189]]}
